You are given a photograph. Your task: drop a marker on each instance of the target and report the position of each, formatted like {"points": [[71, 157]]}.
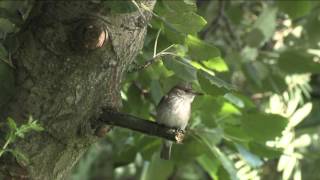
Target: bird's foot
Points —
{"points": [[180, 130]]}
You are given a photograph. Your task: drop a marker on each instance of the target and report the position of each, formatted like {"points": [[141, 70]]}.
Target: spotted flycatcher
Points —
{"points": [[174, 111]]}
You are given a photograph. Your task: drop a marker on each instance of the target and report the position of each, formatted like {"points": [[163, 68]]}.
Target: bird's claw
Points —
{"points": [[180, 131]]}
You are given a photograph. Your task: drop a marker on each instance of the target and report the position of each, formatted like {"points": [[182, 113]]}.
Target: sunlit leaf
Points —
{"points": [[217, 64]]}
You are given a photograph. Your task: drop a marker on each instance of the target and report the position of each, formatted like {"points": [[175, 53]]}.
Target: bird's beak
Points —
{"points": [[197, 93]]}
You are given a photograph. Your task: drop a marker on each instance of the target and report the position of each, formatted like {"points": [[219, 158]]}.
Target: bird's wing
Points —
{"points": [[162, 102]]}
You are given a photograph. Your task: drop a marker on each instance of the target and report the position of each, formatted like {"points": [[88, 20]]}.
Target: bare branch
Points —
{"points": [[141, 125]]}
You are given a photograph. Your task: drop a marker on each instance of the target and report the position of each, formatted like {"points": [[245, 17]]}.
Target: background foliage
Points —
{"points": [[257, 62]]}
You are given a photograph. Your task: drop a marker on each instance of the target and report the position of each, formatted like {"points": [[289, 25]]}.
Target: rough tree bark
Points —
{"points": [[63, 80]]}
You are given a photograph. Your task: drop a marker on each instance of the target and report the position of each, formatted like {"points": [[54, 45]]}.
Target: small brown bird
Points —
{"points": [[174, 111]]}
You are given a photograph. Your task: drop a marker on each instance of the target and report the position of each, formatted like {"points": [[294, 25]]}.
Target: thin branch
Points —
{"points": [[146, 64], [141, 125], [214, 24], [231, 32], [154, 59]]}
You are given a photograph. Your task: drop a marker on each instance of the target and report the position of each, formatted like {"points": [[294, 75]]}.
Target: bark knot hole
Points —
{"points": [[90, 35]]}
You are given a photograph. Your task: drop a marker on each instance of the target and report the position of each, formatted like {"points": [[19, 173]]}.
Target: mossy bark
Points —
{"points": [[64, 84]]}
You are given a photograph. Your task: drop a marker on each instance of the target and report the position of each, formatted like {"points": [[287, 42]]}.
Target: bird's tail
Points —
{"points": [[166, 150]]}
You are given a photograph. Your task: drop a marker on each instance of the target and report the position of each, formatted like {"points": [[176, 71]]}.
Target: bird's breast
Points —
{"points": [[176, 115]]}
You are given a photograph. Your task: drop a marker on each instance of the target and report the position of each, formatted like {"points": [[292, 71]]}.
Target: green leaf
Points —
{"points": [[36, 127], [298, 61], [217, 64], [236, 133], [275, 83], [294, 9], [7, 86], [188, 151], [174, 36], [255, 38], [181, 68], [234, 100], [212, 84], [235, 14], [19, 155], [200, 50], [6, 26], [121, 6], [225, 161], [155, 90], [158, 169], [263, 127], [313, 27], [147, 146], [180, 6], [12, 124], [256, 71], [264, 151], [265, 25], [228, 109], [210, 165], [3, 53], [169, 82], [188, 22], [205, 107], [180, 16]]}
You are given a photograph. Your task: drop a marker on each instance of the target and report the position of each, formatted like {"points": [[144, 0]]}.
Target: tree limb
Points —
{"points": [[141, 125]]}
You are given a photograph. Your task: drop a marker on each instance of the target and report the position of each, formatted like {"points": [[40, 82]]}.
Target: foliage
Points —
{"points": [[15, 132], [252, 60], [241, 63]]}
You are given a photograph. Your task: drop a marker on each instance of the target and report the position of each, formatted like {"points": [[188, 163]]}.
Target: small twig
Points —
{"points": [[4, 147], [141, 125], [154, 59], [230, 31], [146, 64], [139, 9], [156, 43], [214, 24]]}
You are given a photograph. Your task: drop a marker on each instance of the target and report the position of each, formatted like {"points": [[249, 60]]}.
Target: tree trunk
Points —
{"points": [[64, 77]]}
